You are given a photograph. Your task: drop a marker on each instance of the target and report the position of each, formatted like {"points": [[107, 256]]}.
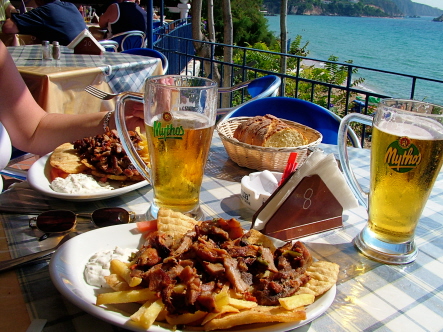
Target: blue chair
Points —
{"points": [[298, 110], [258, 88], [152, 53], [130, 39], [109, 45]]}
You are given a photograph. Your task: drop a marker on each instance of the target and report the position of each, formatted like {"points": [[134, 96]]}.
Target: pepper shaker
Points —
{"points": [[46, 50], [56, 50]]}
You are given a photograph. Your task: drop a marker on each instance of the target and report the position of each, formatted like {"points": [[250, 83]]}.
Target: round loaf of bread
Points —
{"points": [[269, 131]]}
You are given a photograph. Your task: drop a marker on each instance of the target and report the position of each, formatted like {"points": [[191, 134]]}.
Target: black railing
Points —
{"points": [[175, 41]]}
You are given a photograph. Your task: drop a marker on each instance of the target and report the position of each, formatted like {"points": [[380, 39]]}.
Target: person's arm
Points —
{"points": [[10, 9], [110, 15], [33, 130], [9, 26]]}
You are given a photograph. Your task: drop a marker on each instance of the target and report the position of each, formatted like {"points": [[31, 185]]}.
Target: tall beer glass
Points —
{"points": [[180, 114], [406, 157]]}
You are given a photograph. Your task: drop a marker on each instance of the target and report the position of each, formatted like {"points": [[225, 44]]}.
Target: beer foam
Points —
{"points": [[422, 129], [186, 119]]}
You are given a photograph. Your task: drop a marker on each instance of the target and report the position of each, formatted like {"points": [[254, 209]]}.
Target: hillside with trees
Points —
{"points": [[410, 8], [377, 8]]}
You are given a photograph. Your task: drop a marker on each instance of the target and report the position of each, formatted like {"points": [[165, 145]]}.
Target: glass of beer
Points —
{"points": [[406, 157], [179, 114]]}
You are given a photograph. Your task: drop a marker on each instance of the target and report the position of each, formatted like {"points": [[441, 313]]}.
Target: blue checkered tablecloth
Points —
{"points": [[123, 72], [370, 296]]}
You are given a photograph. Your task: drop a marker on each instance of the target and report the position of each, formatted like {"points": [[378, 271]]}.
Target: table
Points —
{"points": [[370, 296], [58, 86]]}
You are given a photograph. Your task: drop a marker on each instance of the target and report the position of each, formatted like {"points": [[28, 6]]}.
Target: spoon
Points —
{"points": [[10, 263]]}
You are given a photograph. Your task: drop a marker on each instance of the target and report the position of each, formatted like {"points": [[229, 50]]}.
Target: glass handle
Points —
{"points": [[361, 195], [125, 138]]}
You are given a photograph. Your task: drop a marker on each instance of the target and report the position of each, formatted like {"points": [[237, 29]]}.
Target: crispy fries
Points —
{"points": [[185, 319], [133, 295], [123, 270], [296, 301], [148, 313]]}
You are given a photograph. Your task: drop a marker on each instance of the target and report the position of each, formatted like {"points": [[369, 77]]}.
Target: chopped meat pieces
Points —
{"points": [[189, 274]]}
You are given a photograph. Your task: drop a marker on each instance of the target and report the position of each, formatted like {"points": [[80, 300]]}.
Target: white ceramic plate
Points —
{"points": [[39, 179], [68, 263]]}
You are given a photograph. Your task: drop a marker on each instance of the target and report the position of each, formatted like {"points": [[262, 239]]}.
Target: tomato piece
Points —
{"points": [[57, 173], [147, 226]]}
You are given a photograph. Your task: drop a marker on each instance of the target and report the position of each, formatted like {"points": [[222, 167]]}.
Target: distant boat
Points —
{"points": [[265, 13]]}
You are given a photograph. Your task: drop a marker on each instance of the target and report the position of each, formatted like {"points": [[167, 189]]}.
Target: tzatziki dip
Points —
{"points": [[79, 184], [98, 265]]}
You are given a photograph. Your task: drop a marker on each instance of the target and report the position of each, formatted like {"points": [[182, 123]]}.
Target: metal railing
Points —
{"points": [[175, 41]]}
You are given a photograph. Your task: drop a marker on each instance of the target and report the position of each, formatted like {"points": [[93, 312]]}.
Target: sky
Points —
{"points": [[432, 3]]}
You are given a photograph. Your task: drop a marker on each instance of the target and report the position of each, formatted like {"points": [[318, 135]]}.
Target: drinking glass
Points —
{"points": [[406, 157], [88, 12], [179, 115]]}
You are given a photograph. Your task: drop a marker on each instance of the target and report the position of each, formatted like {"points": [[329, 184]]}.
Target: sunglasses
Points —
{"points": [[60, 221]]}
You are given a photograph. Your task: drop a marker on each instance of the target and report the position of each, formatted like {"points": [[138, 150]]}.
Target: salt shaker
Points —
{"points": [[46, 50], [56, 50]]}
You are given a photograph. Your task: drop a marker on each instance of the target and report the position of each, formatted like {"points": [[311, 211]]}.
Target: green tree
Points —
{"points": [[332, 73], [249, 24]]}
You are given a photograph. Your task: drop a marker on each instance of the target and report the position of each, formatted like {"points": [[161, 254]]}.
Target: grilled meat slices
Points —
{"points": [[210, 256]]}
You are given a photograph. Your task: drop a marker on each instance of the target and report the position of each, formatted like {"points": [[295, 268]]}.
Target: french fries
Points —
{"points": [[228, 311], [134, 295], [296, 301], [186, 318], [148, 313], [123, 270]]}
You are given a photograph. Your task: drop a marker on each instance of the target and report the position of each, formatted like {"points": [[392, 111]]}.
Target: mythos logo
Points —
{"points": [[402, 155], [167, 131]]}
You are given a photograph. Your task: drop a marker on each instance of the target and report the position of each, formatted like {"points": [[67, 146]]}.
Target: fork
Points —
{"points": [[99, 93], [106, 95]]}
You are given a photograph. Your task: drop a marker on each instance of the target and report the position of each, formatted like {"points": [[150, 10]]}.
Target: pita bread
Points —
{"points": [[67, 159]]}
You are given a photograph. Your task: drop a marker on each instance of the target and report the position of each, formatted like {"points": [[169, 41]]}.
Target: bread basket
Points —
{"points": [[264, 158]]}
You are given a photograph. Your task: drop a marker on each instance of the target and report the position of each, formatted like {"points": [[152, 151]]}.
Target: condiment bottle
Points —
{"points": [[46, 50], [56, 50]]}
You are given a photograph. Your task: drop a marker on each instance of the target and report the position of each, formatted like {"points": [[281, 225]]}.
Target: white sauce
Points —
{"points": [[79, 184], [98, 265]]}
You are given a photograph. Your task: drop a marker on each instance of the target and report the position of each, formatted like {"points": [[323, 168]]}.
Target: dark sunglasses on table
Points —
{"points": [[59, 221]]}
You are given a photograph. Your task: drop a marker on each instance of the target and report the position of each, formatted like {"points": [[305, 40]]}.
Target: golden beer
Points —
{"points": [[179, 145], [405, 161]]}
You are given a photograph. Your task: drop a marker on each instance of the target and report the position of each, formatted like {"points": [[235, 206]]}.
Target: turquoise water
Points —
{"points": [[410, 46]]}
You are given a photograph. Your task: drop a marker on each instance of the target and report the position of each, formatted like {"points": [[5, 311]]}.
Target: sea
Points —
{"points": [[402, 45]]}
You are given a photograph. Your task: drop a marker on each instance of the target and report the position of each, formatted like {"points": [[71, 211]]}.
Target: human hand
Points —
{"points": [[134, 115]]}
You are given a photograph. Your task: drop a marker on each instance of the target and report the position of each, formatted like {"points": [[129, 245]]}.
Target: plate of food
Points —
{"points": [[89, 169], [196, 297]]}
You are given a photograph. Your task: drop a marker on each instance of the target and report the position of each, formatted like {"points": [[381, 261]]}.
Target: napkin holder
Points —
{"points": [[307, 203], [85, 43]]}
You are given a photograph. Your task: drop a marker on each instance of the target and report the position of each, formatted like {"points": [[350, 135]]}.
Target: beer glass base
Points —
{"points": [[389, 253], [197, 213]]}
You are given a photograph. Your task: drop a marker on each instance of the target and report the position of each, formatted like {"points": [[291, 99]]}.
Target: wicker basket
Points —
{"points": [[264, 158]]}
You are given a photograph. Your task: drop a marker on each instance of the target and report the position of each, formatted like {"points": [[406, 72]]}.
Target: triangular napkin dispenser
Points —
{"points": [[85, 43], [310, 201]]}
